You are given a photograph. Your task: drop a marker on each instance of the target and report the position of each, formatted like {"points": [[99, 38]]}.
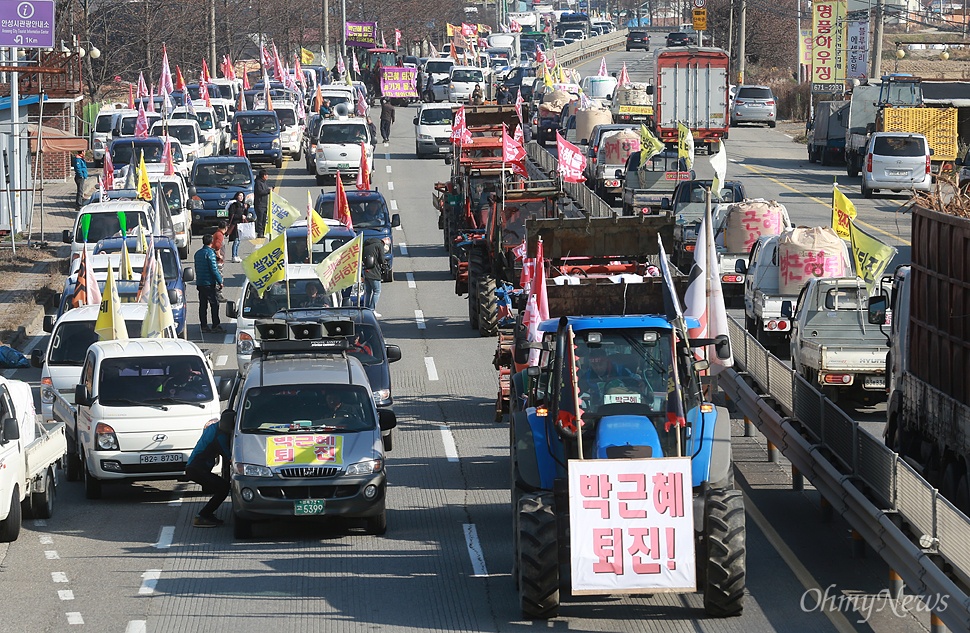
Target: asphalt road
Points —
{"points": [[133, 562]]}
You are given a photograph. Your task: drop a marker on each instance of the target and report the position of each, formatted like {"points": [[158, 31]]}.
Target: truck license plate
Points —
{"points": [[161, 458], [343, 166], [222, 213], [874, 382], [308, 506], [254, 151]]}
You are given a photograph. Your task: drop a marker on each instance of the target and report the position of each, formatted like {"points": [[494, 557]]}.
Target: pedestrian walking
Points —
{"points": [[80, 175], [502, 95], [208, 279], [261, 200], [215, 443], [219, 243], [238, 214], [387, 117], [373, 130], [374, 265]]}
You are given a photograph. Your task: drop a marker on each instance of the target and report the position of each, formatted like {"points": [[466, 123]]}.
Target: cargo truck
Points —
{"points": [[691, 87], [826, 132]]}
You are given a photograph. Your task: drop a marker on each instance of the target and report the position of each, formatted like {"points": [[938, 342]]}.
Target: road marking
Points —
{"points": [[432, 370], [451, 451], [410, 278], [221, 360], [229, 339], [475, 551], [137, 626], [387, 155], [165, 536], [403, 247], [74, 617], [390, 186], [836, 617], [789, 136], [58, 576], [150, 579], [46, 540], [51, 554], [394, 208], [823, 203], [419, 318], [388, 168], [65, 594]]}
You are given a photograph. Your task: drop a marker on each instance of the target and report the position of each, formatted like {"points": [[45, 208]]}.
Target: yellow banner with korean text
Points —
{"points": [[266, 265], [341, 268], [828, 49]]}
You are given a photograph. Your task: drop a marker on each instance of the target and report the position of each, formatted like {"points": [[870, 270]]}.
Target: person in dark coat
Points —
{"points": [[238, 214], [374, 263], [80, 175], [387, 117], [215, 442], [502, 95], [208, 279], [261, 200]]}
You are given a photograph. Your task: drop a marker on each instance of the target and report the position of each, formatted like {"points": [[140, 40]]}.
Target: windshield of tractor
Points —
{"points": [[513, 216], [480, 189]]}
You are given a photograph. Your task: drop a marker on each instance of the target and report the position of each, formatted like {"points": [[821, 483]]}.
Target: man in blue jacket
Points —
{"points": [[209, 281], [216, 441], [80, 175]]}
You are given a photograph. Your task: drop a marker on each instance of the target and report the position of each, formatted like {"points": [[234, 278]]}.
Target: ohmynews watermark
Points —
{"points": [[864, 605]]}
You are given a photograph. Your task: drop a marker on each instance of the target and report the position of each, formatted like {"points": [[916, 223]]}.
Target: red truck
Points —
{"points": [[691, 86]]}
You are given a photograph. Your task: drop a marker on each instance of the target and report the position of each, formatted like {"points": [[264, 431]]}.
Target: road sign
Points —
{"points": [[699, 4], [27, 23], [700, 19]]}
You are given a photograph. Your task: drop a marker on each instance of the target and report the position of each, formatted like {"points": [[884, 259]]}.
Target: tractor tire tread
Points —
{"points": [[724, 528]]}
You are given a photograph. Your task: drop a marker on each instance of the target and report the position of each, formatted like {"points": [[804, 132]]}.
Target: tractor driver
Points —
{"points": [[597, 374]]}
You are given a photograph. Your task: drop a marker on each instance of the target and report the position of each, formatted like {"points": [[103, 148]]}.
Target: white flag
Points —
{"points": [[704, 299], [719, 163]]}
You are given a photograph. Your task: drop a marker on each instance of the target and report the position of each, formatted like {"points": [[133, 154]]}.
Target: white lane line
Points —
{"points": [[475, 551], [398, 227], [137, 626], [419, 319], [58, 576], [789, 135], [165, 536], [432, 370], [390, 186], [46, 540], [410, 278], [74, 617], [229, 340], [221, 360], [388, 168], [387, 156], [451, 451], [403, 247], [65, 594], [51, 554], [150, 579], [394, 208]]}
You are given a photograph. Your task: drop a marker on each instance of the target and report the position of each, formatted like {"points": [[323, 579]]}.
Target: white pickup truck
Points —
{"points": [[29, 453], [833, 346]]}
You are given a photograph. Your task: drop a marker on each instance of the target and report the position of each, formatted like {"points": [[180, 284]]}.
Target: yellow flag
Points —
{"points": [[307, 56], [142, 185], [124, 270], [842, 211], [267, 264], [159, 316], [650, 145], [142, 242], [341, 267], [685, 144], [871, 256], [316, 226], [547, 79], [110, 324], [280, 214], [450, 30]]}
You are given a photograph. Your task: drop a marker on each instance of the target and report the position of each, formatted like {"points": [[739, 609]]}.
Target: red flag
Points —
{"points": [[361, 104], [572, 162], [298, 70], [242, 101], [397, 38], [570, 414], [459, 131], [246, 85], [165, 78], [131, 98], [179, 79], [277, 64], [141, 122], [519, 138], [318, 100], [624, 77], [204, 89], [108, 172], [511, 150], [363, 174], [167, 159], [206, 78], [151, 100], [240, 146], [468, 30], [142, 86], [540, 56], [539, 283], [341, 207]]}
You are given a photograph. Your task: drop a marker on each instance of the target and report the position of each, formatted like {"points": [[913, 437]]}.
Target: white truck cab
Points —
{"points": [[338, 148], [114, 218]]}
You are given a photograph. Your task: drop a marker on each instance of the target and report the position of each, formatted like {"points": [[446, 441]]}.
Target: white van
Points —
{"points": [[99, 220], [599, 89], [104, 123], [436, 73], [193, 143], [124, 125], [432, 128], [338, 148], [462, 81], [140, 407], [212, 133], [897, 161]]}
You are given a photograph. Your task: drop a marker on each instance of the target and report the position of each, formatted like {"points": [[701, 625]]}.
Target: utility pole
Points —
{"points": [[325, 31], [875, 64], [742, 19], [212, 37]]}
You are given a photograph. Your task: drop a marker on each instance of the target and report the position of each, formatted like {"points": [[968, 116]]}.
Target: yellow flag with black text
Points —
{"points": [[142, 186], [842, 212], [871, 256], [280, 214], [267, 264], [341, 268], [685, 144], [110, 325]]}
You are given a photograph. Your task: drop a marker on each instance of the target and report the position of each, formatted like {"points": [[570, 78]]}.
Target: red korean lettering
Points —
{"points": [[639, 492], [283, 441], [789, 266], [668, 494], [303, 441], [283, 455], [607, 542], [596, 486], [641, 549]]}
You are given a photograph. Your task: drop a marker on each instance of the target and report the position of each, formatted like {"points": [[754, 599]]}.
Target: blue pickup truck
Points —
{"points": [[214, 183]]}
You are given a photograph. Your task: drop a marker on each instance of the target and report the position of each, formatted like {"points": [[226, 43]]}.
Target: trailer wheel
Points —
{"points": [[10, 527], [851, 168], [538, 561], [725, 540], [476, 270], [42, 503], [487, 306], [825, 158]]}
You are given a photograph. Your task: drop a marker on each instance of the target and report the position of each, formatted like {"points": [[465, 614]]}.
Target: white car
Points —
{"points": [[188, 133], [462, 81], [338, 148], [432, 128], [211, 134], [224, 109], [104, 123]]}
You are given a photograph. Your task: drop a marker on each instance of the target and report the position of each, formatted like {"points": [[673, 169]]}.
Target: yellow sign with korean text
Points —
{"points": [[267, 265], [304, 450], [340, 269], [828, 51]]}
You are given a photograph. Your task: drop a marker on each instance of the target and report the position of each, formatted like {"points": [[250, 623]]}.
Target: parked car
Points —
{"points": [[754, 104], [897, 161]]}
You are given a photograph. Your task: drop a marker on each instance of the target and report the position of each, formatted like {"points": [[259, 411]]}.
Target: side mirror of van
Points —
{"points": [[665, 204], [225, 389], [396, 220], [741, 266], [618, 173], [387, 419], [231, 311], [931, 151], [81, 396], [11, 430], [414, 121], [66, 236], [787, 309], [37, 358], [649, 90], [49, 320], [188, 274], [393, 353]]}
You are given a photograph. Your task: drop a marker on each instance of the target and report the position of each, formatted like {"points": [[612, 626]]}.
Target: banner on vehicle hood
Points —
{"points": [[361, 34], [399, 83]]}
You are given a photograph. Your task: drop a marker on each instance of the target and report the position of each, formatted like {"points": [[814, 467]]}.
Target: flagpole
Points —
{"points": [[286, 282], [576, 401]]}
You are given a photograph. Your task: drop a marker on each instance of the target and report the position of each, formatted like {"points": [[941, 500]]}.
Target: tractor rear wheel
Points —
{"points": [[538, 557], [477, 268], [487, 306], [724, 537]]}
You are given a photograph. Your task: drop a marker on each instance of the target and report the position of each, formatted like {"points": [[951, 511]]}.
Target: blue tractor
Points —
{"points": [[629, 371]]}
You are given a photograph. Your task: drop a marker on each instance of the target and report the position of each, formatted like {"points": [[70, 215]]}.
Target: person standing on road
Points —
{"points": [[261, 200], [238, 214], [219, 243], [215, 442], [80, 175], [209, 281], [387, 117], [374, 263]]}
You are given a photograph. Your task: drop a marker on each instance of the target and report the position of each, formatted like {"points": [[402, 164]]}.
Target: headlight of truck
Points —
{"points": [[381, 395], [179, 298], [249, 198], [366, 467], [276, 143], [244, 344], [105, 438], [425, 137], [196, 202], [252, 470], [387, 244], [178, 227], [98, 144]]}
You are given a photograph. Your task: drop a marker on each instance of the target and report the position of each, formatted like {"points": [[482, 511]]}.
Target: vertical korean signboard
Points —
{"points": [[828, 46], [631, 526], [857, 55]]}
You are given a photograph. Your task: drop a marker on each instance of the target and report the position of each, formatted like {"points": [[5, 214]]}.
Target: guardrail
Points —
{"points": [[876, 491], [584, 49], [582, 195]]}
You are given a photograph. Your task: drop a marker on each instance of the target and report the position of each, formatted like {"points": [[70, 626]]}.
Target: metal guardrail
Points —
{"points": [[582, 195], [875, 490], [584, 49]]}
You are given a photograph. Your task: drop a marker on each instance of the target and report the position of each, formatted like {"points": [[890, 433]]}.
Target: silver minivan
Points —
{"points": [[897, 161], [754, 104]]}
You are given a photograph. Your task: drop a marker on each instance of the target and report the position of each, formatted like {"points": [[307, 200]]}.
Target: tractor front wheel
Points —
{"points": [[724, 538], [538, 557]]}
